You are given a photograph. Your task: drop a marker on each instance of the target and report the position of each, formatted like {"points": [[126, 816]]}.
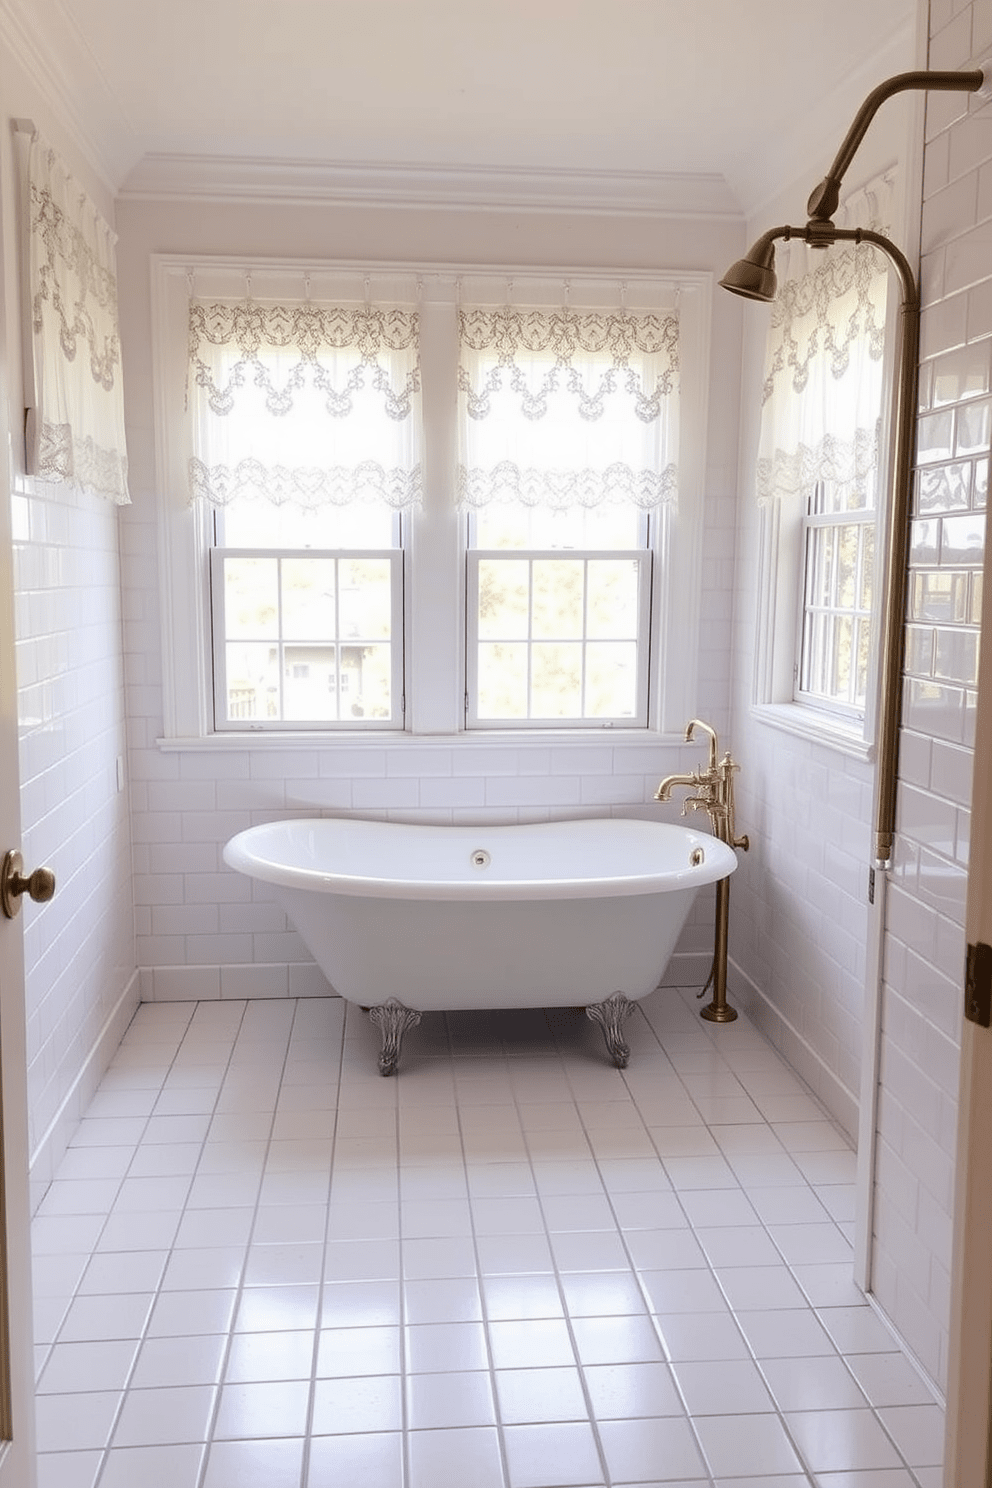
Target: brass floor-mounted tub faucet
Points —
{"points": [[714, 789]]}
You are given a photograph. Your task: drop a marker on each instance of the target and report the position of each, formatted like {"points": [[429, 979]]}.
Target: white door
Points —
{"points": [[967, 1457], [16, 1373]]}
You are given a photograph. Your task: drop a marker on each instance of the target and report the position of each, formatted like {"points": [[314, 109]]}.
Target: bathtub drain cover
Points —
{"points": [[479, 858]]}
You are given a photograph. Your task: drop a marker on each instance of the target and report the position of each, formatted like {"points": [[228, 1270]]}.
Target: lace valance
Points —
{"points": [[822, 393], [564, 408], [76, 426], [304, 403]]}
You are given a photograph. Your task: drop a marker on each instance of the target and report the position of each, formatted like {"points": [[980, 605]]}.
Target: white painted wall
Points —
{"points": [[201, 931], [80, 980]]}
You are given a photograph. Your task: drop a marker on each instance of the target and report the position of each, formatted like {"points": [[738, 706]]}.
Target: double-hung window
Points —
{"points": [[838, 586], [568, 451], [819, 462], [305, 437], [427, 502]]}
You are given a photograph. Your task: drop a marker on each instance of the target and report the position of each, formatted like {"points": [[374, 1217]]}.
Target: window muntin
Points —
{"points": [[557, 618], [832, 670], [305, 638], [567, 441], [433, 584], [306, 616], [305, 442]]}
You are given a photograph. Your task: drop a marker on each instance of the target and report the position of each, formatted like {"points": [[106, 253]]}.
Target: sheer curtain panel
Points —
{"points": [[304, 404], [565, 409], [822, 395], [76, 424]]}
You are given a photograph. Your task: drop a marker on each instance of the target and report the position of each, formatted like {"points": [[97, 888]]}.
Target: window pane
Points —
{"points": [[504, 588], [558, 598], [308, 598], [839, 684], [502, 682], [259, 524], [847, 566], [556, 681], [252, 682], [365, 682], [309, 684], [822, 542], [867, 567], [611, 679], [863, 657], [251, 598], [611, 602], [512, 525], [364, 598]]}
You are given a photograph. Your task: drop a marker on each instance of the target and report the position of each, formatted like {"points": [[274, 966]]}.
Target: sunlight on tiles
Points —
{"points": [[510, 1266]]}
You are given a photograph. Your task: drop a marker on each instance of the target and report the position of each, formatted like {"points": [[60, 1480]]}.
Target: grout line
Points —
{"points": [[506, 1065], [157, 1292]]}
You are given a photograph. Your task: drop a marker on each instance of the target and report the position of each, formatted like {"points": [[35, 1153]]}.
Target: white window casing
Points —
{"points": [[434, 542], [824, 427]]}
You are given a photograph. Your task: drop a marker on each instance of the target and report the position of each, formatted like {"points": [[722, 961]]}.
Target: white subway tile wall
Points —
{"points": [[81, 984], [924, 944], [799, 899], [201, 930]]}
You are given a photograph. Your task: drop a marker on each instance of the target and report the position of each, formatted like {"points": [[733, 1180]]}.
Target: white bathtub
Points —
{"points": [[426, 918]]}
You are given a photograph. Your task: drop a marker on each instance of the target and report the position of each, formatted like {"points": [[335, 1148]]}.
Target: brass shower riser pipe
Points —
{"points": [[903, 426]]}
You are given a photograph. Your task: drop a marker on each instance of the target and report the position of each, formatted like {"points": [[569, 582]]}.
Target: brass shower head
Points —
{"points": [[754, 275]]}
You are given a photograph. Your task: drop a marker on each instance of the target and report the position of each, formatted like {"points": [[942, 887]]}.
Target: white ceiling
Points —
{"points": [[733, 89]]}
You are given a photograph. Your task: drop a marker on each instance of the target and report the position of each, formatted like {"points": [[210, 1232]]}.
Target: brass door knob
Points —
{"points": [[39, 885]]}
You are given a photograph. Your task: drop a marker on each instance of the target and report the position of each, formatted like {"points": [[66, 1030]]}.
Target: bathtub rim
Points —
{"points": [[242, 853]]}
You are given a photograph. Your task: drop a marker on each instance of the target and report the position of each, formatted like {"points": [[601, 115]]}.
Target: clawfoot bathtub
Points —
{"points": [[406, 919]]}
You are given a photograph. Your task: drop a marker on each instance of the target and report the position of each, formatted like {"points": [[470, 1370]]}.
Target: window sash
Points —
{"points": [[292, 647], [434, 572], [533, 642], [834, 636]]}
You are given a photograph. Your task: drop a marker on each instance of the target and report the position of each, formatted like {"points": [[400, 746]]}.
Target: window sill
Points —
{"points": [[817, 728], [523, 739]]}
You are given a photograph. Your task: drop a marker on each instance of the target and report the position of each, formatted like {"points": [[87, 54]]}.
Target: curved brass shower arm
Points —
{"points": [[825, 198]]}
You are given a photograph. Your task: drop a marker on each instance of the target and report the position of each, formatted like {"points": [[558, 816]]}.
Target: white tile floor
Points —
{"points": [[510, 1266]]}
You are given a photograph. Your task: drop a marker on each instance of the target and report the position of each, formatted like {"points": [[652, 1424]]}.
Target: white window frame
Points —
{"points": [[780, 587], [642, 556], [434, 539], [815, 522], [781, 581], [217, 556]]}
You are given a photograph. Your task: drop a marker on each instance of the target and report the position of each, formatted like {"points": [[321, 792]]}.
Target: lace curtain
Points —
{"points": [[822, 396], [305, 404], [76, 427], [561, 408]]}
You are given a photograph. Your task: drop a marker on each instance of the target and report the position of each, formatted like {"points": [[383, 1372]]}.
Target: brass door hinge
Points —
{"points": [[978, 985]]}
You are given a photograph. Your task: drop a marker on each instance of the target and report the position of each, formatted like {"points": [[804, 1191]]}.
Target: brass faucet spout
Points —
{"points": [[664, 791], [697, 723]]}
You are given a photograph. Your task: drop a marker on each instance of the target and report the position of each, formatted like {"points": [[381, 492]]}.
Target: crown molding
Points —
{"points": [[45, 68], [252, 179]]}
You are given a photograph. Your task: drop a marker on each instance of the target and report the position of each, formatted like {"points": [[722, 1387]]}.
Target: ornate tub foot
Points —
{"points": [[610, 1014], [393, 1020]]}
